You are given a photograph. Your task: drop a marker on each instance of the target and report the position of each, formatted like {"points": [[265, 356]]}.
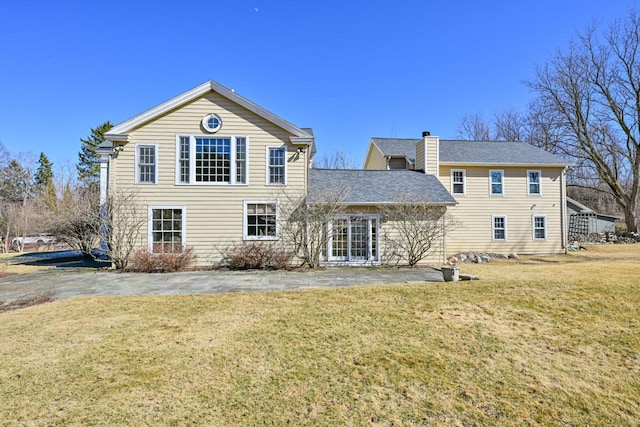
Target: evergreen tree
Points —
{"points": [[15, 182], [88, 160], [44, 173], [43, 182]]}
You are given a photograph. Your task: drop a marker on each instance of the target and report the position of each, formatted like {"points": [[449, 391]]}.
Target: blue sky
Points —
{"points": [[351, 70]]}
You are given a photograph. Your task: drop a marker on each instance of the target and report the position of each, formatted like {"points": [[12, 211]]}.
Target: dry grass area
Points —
{"points": [[8, 269], [540, 341]]}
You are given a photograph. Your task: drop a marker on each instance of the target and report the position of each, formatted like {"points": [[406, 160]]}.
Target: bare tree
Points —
{"points": [[337, 160], [75, 219], [509, 125], [593, 90], [304, 220], [414, 230], [474, 127], [82, 223]]}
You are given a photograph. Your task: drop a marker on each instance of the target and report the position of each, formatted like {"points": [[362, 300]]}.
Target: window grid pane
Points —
{"points": [[499, 228], [185, 170], [359, 241], [496, 182], [213, 159], [241, 160], [374, 239], [534, 183], [539, 227], [276, 165], [147, 164], [166, 231], [339, 237], [261, 220], [458, 182]]}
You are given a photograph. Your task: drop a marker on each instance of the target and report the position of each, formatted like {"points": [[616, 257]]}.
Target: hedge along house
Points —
{"points": [[210, 169]]}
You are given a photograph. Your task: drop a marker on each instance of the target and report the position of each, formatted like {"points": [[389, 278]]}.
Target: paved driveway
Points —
{"points": [[73, 282]]}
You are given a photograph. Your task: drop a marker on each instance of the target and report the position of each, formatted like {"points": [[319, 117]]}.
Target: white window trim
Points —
{"points": [[266, 179], [347, 260], [493, 228], [192, 160], [150, 209], [491, 193], [464, 182], [533, 228], [245, 236], [137, 164], [539, 183]]}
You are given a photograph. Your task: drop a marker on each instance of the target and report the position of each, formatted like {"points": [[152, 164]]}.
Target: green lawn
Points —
{"points": [[540, 341]]}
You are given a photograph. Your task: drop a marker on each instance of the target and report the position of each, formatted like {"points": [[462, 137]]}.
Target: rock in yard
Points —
{"points": [[513, 255]]}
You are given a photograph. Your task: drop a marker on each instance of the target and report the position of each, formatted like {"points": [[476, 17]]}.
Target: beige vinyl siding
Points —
{"points": [[432, 144], [375, 160], [420, 155], [214, 212], [475, 210]]}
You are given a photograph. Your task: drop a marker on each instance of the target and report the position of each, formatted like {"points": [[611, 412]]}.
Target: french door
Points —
{"points": [[353, 238]]}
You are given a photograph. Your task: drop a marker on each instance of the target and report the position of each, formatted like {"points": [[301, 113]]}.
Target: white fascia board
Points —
{"points": [[116, 137], [300, 140], [196, 92]]}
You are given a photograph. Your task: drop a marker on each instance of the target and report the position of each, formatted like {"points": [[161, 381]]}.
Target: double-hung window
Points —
{"points": [[499, 228], [533, 183], [458, 181], [260, 220], [166, 229], [211, 160], [276, 165], [146, 164], [539, 225], [496, 183]]}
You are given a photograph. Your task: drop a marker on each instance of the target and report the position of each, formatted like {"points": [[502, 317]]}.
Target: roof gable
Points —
{"points": [[121, 130], [397, 147]]}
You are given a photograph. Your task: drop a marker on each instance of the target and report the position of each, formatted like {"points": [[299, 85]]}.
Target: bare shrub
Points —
{"points": [[257, 255], [305, 218], [418, 230], [160, 261]]}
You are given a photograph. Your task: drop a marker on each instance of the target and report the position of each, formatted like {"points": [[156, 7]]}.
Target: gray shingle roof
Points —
{"points": [[479, 152], [372, 187], [496, 152], [397, 147]]}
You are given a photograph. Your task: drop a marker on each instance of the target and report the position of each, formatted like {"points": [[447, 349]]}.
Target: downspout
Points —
{"points": [[563, 209], [444, 237]]}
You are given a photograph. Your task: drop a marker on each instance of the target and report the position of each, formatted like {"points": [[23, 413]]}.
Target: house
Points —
{"points": [[209, 169], [510, 195]]}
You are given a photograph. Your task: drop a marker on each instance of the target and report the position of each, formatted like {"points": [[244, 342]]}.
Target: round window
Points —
{"points": [[212, 123]]}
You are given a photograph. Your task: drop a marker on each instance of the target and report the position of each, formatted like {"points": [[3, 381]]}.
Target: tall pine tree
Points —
{"points": [[88, 166], [15, 183], [43, 182]]}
